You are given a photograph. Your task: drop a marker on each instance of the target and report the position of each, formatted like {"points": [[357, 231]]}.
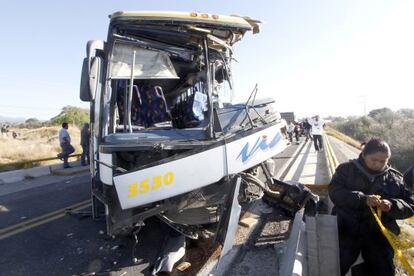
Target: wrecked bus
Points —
{"points": [[166, 141]]}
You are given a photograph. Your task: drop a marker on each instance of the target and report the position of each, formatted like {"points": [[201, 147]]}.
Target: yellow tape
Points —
{"points": [[394, 242]]}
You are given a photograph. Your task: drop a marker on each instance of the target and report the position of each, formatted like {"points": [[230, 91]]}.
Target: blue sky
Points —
{"points": [[314, 57]]}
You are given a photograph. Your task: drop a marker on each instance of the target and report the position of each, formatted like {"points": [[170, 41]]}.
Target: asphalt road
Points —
{"points": [[73, 244], [38, 200], [343, 151]]}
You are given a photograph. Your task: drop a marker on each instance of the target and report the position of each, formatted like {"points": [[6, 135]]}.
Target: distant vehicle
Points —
{"points": [[288, 116], [166, 140]]}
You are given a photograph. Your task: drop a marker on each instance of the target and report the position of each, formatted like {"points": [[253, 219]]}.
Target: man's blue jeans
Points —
{"points": [[67, 149]]}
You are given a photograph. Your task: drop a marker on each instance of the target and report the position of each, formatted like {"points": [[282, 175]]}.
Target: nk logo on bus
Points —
{"points": [[262, 144]]}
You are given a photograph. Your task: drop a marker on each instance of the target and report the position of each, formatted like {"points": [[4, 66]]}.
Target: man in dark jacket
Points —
{"points": [[85, 137], [307, 128], [357, 185]]}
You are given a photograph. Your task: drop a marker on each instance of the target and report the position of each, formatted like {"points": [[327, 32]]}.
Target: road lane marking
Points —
{"points": [[34, 222]]}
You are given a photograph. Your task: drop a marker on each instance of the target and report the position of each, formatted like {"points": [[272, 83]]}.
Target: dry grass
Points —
{"points": [[33, 144]]}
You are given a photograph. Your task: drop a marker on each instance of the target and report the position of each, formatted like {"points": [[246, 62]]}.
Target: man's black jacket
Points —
{"points": [[349, 188]]}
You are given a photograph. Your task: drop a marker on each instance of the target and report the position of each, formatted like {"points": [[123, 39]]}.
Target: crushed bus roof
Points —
{"points": [[225, 20]]}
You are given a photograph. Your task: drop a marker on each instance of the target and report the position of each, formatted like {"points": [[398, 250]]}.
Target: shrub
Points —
{"points": [[397, 128]]}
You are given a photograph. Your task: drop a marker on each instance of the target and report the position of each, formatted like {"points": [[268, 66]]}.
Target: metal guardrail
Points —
{"points": [[31, 163], [333, 162], [297, 259]]}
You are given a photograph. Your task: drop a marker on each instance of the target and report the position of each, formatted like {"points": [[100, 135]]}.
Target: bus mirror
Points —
{"points": [[85, 92], [91, 71], [90, 79], [94, 75]]}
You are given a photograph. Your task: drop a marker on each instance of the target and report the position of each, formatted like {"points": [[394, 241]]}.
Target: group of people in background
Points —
{"points": [[311, 128], [68, 149]]}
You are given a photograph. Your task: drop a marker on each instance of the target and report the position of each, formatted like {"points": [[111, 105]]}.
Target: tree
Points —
{"points": [[385, 116], [72, 115], [397, 128], [406, 112], [378, 112], [335, 119], [32, 123]]}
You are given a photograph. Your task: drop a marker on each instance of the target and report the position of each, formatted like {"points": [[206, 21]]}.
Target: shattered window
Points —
{"points": [[148, 64]]}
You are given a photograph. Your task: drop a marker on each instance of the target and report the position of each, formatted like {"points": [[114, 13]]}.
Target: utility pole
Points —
{"points": [[364, 103]]}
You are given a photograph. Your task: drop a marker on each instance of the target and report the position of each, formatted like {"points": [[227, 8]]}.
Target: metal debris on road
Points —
{"points": [[183, 266], [249, 221]]}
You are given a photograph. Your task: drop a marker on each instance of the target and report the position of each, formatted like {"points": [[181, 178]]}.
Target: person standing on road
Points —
{"points": [[369, 181], [290, 129], [317, 126], [85, 136], [67, 148], [283, 129], [296, 130], [307, 129]]}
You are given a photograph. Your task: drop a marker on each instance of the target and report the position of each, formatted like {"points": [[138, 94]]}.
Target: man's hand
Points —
{"points": [[385, 205], [376, 201], [373, 200]]}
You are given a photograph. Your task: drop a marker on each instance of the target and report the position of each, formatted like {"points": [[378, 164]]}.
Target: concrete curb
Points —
{"points": [[22, 174], [76, 167]]}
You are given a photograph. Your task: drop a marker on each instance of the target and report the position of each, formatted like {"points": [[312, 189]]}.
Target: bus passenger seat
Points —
{"points": [[137, 118], [156, 105], [137, 115]]}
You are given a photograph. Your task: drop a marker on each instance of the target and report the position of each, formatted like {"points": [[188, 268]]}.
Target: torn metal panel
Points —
{"points": [[173, 250], [189, 172]]}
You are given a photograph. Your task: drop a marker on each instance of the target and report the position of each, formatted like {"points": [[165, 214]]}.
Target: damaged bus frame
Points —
{"points": [[165, 139]]}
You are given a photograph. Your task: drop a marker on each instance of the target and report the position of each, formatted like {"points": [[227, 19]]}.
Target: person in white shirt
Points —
{"points": [[290, 129], [317, 126], [67, 148]]}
